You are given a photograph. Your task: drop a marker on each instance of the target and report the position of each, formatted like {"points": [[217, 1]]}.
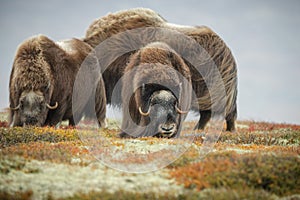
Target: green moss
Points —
{"points": [[120, 195], [123, 195], [282, 137], [16, 135], [278, 174], [252, 126], [216, 194], [12, 136], [61, 152], [245, 193]]}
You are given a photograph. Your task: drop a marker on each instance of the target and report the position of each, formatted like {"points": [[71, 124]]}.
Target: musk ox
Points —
{"points": [[42, 78], [218, 52], [156, 92]]}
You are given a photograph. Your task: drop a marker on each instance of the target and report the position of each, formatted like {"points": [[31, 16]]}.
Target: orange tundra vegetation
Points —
{"points": [[278, 174]]}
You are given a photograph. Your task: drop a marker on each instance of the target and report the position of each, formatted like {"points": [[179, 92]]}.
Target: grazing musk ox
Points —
{"points": [[42, 78], [155, 92], [219, 53]]}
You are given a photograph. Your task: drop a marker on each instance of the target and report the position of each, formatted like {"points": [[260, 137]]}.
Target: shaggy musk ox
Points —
{"points": [[156, 92], [112, 24], [218, 52], [42, 79]]}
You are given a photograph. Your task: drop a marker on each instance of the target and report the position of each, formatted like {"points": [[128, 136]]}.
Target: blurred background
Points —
{"points": [[263, 36]]}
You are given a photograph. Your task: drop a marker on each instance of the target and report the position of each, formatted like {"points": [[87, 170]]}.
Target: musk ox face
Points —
{"points": [[163, 114], [32, 108]]}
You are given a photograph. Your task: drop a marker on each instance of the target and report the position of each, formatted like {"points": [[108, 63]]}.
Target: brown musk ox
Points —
{"points": [[112, 24], [42, 79], [156, 92], [214, 53]]}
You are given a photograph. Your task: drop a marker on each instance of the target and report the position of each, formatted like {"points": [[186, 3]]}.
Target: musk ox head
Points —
{"points": [[32, 108], [161, 113], [157, 92]]}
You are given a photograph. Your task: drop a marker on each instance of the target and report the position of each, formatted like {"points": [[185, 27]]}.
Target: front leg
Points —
{"points": [[125, 135], [204, 118], [53, 118], [71, 121], [14, 119]]}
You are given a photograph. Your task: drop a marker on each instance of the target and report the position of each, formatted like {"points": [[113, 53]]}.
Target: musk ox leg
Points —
{"points": [[204, 118], [53, 119], [100, 104], [14, 120], [11, 119], [71, 121], [101, 113], [230, 120], [102, 123], [230, 125], [125, 135]]}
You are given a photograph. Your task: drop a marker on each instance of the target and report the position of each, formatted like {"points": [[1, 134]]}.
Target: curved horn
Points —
{"points": [[52, 107], [16, 108], [142, 113], [180, 111]]}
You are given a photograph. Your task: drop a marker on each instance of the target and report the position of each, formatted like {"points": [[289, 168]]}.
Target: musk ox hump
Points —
{"points": [[30, 70], [123, 20]]}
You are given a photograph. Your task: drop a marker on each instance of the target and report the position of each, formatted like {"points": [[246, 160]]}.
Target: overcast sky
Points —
{"points": [[264, 36]]}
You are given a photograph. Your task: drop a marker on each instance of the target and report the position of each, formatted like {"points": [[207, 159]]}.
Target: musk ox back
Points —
{"points": [[156, 92], [114, 23], [218, 52], [117, 22], [42, 78]]}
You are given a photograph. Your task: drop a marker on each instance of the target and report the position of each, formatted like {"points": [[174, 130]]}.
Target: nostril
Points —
{"points": [[31, 120], [167, 127]]}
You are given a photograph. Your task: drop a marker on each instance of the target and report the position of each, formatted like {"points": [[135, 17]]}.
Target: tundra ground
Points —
{"points": [[259, 161]]}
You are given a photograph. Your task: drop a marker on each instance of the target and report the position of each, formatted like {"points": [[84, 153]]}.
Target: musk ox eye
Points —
{"points": [[22, 104], [153, 103]]}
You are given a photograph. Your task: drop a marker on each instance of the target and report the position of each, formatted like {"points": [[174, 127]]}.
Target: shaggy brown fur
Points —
{"points": [[50, 69], [216, 53], [114, 23], [159, 68]]}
